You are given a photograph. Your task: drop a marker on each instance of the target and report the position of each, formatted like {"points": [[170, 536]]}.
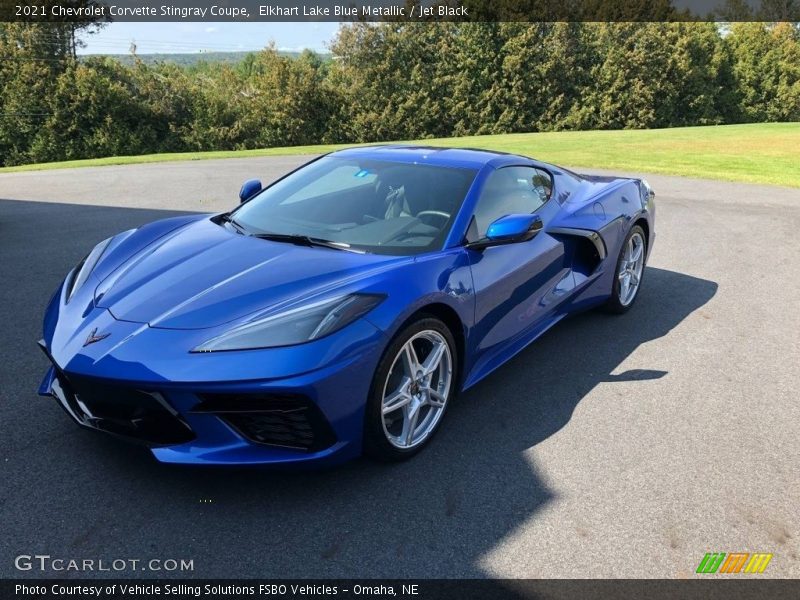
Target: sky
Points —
{"points": [[150, 38], [191, 37]]}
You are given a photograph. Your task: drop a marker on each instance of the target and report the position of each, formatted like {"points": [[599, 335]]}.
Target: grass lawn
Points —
{"points": [[756, 153]]}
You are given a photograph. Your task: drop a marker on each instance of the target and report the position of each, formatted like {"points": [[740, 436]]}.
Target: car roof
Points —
{"points": [[433, 155]]}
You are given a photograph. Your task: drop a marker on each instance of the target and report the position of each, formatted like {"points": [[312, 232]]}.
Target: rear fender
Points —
{"points": [[597, 224]]}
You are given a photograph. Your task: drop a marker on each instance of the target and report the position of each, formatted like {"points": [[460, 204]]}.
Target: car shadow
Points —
{"points": [[437, 515]]}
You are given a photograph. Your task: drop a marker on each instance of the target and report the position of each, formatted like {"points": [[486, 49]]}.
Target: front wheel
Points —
{"points": [[414, 381], [629, 272]]}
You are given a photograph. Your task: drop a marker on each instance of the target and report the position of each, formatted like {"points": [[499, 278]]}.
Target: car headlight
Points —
{"points": [[85, 268], [295, 326]]}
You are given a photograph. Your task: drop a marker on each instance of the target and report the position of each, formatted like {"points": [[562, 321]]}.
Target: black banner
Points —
{"points": [[397, 10], [704, 587]]}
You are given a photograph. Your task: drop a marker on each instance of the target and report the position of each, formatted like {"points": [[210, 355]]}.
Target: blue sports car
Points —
{"points": [[340, 309]]}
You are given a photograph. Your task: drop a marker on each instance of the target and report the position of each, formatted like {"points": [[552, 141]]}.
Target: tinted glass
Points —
{"points": [[377, 206], [511, 190]]}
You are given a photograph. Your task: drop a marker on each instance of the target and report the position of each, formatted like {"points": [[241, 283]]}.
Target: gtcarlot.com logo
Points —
{"points": [[47, 563]]}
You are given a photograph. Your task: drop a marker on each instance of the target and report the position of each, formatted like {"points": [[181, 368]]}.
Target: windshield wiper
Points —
{"points": [[227, 218], [305, 240]]}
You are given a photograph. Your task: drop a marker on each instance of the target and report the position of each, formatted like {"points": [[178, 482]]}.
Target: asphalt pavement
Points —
{"points": [[613, 447]]}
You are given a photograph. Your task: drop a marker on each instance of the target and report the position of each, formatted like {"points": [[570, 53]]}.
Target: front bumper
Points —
{"points": [[295, 405], [132, 414], [316, 417]]}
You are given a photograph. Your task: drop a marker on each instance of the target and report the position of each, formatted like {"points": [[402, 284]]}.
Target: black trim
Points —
{"points": [[593, 236], [282, 420], [131, 414]]}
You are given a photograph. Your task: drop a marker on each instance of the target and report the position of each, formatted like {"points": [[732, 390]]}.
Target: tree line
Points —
{"points": [[394, 81]]}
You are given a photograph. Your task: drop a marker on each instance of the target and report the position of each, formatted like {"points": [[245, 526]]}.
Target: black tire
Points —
{"points": [[376, 444], [613, 305]]}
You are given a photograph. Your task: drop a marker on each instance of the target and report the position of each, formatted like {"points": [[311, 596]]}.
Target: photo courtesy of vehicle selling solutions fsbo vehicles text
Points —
{"points": [[416, 299]]}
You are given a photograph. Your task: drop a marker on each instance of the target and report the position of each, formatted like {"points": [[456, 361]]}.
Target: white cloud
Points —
{"points": [[211, 29]]}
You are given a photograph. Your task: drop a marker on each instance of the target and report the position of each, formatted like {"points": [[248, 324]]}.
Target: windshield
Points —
{"points": [[376, 206]]}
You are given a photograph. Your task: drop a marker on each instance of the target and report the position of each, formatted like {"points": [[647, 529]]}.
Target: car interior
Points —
{"points": [[378, 205]]}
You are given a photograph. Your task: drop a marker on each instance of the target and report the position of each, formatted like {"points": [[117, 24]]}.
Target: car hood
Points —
{"points": [[202, 275]]}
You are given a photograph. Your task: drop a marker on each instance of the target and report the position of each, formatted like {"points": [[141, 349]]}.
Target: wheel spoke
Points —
{"points": [[409, 425], [410, 360], [634, 279], [637, 253], [625, 287], [398, 399], [433, 359], [435, 399]]}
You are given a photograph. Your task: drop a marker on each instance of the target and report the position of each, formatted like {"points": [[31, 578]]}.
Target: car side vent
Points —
{"points": [[588, 248], [586, 258]]}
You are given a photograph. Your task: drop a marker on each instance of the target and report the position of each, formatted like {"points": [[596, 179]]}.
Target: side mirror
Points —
{"points": [[509, 230], [249, 189]]}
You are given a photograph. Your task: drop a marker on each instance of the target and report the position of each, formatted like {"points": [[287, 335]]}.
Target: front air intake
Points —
{"points": [[282, 420], [134, 414]]}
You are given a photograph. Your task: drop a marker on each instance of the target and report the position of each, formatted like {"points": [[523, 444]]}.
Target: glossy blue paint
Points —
{"points": [[512, 228], [166, 288], [249, 189]]}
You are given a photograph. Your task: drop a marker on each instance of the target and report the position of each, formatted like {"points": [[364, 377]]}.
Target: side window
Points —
{"points": [[339, 179], [511, 190], [542, 184]]}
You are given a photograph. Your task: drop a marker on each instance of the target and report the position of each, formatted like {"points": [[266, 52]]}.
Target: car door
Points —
{"points": [[516, 285]]}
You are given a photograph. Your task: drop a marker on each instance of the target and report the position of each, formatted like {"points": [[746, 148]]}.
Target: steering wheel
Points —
{"points": [[439, 214]]}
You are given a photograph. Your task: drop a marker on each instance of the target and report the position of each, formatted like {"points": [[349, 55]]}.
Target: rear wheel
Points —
{"points": [[629, 272], [412, 386]]}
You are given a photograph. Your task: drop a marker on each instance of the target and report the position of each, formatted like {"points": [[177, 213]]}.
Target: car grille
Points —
{"points": [[130, 413], [283, 420]]}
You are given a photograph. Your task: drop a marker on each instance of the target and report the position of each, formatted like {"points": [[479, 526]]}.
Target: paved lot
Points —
{"points": [[614, 447]]}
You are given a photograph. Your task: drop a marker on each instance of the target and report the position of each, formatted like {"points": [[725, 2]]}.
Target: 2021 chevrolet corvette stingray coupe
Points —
{"points": [[340, 309]]}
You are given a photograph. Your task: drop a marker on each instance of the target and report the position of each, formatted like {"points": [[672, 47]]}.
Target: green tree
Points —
{"points": [[33, 55], [478, 96], [546, 73], [766, 66], [654, 75], [27, 73], [396, 80], [94, 112]]}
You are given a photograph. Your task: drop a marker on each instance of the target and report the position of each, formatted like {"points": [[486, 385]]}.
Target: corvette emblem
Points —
{"points": [[93, 337]]}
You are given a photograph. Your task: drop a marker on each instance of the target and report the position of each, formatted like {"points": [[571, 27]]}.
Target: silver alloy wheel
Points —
{"points": [[630, 269], [416, 390]]}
